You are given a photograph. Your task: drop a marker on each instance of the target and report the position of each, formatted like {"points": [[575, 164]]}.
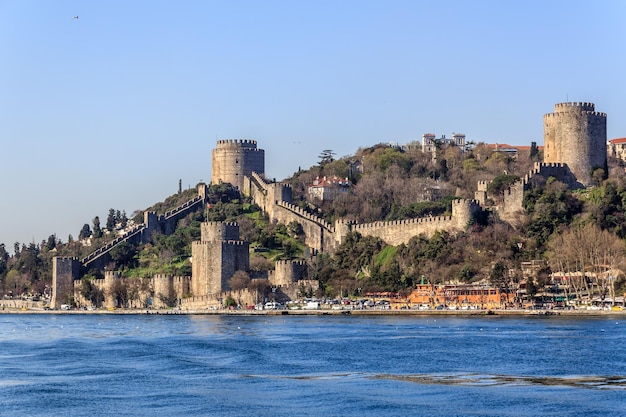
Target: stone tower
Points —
{"points": [[232, 159], [575, 134], [64, 272], [216, 257]]}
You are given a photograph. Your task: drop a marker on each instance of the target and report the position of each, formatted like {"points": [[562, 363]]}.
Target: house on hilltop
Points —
{"points": [[617, 148], [328, 188]]}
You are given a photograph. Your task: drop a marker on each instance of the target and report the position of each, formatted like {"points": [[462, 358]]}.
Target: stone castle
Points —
{"points": [[220, 251]]}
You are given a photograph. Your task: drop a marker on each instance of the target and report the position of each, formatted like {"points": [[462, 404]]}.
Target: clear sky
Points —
{"points": [[111, 109]]}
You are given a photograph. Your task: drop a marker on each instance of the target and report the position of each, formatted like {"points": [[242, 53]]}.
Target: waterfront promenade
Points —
{"points": [[322, 312]]}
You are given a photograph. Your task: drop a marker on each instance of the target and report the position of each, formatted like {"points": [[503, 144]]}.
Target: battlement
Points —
{"points": [[235, 243], [463, 202], [286, 263], [183, 207], [112, 275], [245, 143], [482, 185], [218, 231], [364, 227], [299, 211], [218, 224], [587, 112], [566, 106], [161, 277]]}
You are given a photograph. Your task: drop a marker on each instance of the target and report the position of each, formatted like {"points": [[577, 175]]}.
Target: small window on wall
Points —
{"points": [[236, 161]]}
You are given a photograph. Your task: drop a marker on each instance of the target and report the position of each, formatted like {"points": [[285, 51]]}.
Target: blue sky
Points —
{"points": [[111, 109]]}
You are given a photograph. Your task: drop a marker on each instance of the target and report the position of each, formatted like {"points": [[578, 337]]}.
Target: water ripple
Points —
{"points": [[598, 382]]}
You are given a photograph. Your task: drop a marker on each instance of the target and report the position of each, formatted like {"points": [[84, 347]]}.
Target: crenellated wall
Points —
{"points": [[401, 231], [287, 272], [152, 223], [511, 210]]}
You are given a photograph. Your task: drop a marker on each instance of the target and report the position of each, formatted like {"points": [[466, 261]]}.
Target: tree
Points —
{"points": [[97, 231], [85, 232], [327, 156], [51, 243], [260, 287], [498, 276], [123, 219], [239, 281], [123, 254], [111, 220], [119, 293], [534, 150], [589, 257]]}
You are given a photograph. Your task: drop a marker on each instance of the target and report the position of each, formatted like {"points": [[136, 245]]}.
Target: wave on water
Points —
{"points": [[596, 382]]}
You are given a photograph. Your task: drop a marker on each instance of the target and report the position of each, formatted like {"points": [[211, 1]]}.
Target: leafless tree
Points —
{"points": [[589, 257]]}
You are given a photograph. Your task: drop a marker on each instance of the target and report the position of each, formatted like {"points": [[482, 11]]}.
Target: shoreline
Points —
{"points": [[480, 313]]}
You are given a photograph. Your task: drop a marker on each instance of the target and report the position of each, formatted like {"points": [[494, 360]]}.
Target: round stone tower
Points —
{"points": [[575, 134], [232, 159]]}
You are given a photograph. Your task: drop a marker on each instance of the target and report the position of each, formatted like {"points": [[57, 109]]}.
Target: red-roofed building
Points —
{"points": [[617, 148], [328, 188]]}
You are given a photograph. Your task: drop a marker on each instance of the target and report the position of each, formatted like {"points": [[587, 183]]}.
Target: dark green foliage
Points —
{"points": [[500, 183], [498, 275], [421, 209], [548, 208], [85, 232], [357, 251], [230, 302], [97, 231], [124, 254], [110, 225], [392, 156], [607, 207], [326, 156]]}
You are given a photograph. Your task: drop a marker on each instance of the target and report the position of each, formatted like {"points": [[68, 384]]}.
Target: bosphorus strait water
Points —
{"points": [[200, 365]]}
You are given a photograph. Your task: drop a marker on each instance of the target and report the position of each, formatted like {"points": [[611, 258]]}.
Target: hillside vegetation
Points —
{"points": [[393, 183]]}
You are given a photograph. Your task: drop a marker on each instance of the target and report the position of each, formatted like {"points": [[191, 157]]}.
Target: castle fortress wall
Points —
{"points": [[513, 198], [216, 257], [143, 232], [234, 159], [167, 286], [401, 231], [319, 235], [64, 271], [575, 134], [287, 272]]}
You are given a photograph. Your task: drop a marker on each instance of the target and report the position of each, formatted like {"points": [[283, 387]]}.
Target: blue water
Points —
{"points": [[101, 365]]}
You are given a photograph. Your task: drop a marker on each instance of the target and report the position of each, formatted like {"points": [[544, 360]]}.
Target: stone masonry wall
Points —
{"points": [[575, 134], [234, 159], [64, 271]]}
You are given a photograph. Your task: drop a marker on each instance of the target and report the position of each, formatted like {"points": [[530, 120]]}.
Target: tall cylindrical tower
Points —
{"points": [[575, 134], [232, 159]]}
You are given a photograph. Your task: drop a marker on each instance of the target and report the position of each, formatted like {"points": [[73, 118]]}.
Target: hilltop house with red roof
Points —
{"points": [[328, 188], [617, 148]]}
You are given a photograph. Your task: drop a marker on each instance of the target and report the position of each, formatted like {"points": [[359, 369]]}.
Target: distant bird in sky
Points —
{"points": [[75, 17]]}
